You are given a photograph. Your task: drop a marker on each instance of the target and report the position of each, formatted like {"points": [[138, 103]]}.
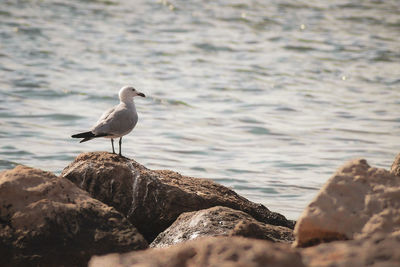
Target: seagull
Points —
{"points": [[117, 121]]}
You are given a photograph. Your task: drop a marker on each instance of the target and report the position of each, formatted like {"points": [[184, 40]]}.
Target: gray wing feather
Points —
{"points": [[105, 115], [117, 121]]}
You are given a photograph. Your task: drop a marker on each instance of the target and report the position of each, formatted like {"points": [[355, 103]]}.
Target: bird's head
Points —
{"points": [[128, 92]]}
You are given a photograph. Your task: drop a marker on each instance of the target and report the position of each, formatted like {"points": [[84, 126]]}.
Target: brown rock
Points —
{"points": [[396, 166], [263, 231], [208, 251], [219, 221], [355, 203], [48, 221], [377, 251], [152, 200]]}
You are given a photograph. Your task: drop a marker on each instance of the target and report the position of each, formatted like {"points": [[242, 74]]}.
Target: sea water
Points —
{"points": [[268, 98]]}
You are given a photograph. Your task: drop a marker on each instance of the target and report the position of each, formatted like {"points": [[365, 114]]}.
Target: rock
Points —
{"points": [[263, 231], [381, 250], [396, 166], [219, 221], [208, 251], [48, 221], [357, 202], [152, 200]]}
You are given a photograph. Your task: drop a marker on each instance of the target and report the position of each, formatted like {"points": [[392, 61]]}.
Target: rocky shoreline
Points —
{"points": [[106, 210]]}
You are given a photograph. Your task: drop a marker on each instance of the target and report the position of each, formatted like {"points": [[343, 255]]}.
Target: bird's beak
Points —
{"points": [[141, 94]]}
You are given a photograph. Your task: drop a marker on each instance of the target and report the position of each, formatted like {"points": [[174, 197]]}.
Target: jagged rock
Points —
{"points": [[152, 200], [355, 203], [208, 251], [48, 221], [396, 166], [219, 221], [380, 250]]}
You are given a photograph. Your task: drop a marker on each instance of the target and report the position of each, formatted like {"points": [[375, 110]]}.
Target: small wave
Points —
{"points": [[213, 48], [299, 48], [6, 164], [170, 102]]}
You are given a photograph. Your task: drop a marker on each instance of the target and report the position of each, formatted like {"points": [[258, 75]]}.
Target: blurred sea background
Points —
{"points": [[266, 97]]}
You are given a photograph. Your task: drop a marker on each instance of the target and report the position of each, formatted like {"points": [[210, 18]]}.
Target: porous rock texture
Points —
{"points": [[153, 199], [357, 202], [219, 221], [208, 251], [380, 250], [48, 221]]}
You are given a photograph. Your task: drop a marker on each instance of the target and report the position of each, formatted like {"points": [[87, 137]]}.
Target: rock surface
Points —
{"points": [[152, 200], [396, 166], [208, 251], [219, 221], [377, 251], [48, 221], [357, 202]]}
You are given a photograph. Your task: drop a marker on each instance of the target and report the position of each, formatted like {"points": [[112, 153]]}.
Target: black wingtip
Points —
{"points": [[83, 135]]}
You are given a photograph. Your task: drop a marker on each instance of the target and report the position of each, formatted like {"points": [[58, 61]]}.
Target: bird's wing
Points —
{"points": [[97, 128], [117, 122], [105, 115]]}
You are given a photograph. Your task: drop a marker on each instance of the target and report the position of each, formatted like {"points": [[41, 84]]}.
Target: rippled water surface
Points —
{"points": [[266, 97]]}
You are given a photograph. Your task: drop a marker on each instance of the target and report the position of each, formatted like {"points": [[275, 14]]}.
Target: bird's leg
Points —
{"points": [[112, 144], [120, 143]]}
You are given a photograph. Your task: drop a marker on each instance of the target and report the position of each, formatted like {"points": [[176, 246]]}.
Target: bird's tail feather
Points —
{"points": [[87, 136], [85, 139], [83, 135]]}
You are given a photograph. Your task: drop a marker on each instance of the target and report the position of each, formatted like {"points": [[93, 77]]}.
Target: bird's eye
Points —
{"points": [[133, 89]]}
